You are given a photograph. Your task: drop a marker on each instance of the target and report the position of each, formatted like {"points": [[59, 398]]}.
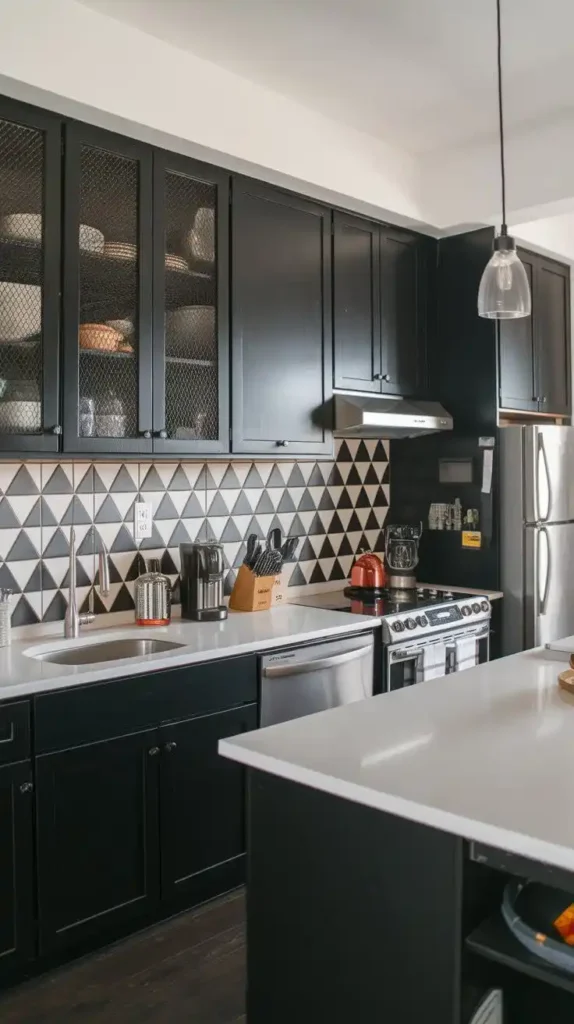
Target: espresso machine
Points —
{"points": [[402, 555], [202, 571]]}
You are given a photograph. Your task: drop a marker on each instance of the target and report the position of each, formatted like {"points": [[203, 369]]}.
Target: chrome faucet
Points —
{"points": [[73, 620]]}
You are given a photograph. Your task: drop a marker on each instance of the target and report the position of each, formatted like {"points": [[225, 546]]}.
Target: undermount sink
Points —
{"points": [[109, 650]]}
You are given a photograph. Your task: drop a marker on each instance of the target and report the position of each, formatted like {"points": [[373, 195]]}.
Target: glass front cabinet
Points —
{"points": [[30, 217]]}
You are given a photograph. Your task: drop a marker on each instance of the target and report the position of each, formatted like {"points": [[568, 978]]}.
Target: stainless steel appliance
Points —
{"points": [[202, 570], [368, 415], [426, 633], [537, 535], [402, 555], [315, 678]]}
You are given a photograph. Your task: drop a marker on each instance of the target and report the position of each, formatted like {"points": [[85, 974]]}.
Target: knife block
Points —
{"points": [[251, 593]]}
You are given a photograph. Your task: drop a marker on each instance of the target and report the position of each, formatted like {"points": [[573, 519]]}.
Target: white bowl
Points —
{"points": [[192, 326], [22, 227], [200, 242], [20, 311], [91, 240], [125, 327], [25, 417]]}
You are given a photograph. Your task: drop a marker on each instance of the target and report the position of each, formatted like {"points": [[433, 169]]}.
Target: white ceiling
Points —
{"points": [[419, 74]]}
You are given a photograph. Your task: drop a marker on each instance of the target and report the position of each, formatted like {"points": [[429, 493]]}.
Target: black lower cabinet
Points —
{"points": [[202, 800], [97, 830], [17, 924]]}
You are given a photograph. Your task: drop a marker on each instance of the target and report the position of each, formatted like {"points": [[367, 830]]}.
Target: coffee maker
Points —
{"points": [[402, 555], [202, 572]]}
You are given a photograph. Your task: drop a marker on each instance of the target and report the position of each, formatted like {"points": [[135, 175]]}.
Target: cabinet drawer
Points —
{"points": [[14, 731], [86, 714]]}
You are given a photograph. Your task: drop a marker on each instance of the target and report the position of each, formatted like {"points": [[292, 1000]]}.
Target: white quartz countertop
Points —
{"points": [[21, 673], [487, 754]]}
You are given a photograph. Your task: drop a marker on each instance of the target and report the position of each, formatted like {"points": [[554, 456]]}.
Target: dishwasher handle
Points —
{"points": [[299, 668]]}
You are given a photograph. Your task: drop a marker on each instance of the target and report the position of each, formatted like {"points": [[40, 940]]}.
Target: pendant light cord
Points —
{"points": [[504, 230]]}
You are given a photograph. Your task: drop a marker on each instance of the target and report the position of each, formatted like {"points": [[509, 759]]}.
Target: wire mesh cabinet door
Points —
{"points": [[107, 302], [191, 285], [30, 189]]}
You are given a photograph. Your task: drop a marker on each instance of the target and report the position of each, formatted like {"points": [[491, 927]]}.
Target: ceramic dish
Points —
{"points": [[20, 311], [91, 240], [173, 262], [99, 336], [120, 250], [200, 243], [125, 327], [22, 227], [191, 328]]}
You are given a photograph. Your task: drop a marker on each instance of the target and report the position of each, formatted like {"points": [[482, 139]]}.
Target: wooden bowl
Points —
{"points": [[100, 337]]}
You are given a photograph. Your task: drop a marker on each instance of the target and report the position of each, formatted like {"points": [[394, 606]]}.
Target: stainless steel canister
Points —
{"points": [[152, 596]]}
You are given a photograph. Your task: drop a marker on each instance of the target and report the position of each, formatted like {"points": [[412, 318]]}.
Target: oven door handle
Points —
{"points": [[300, 668]]}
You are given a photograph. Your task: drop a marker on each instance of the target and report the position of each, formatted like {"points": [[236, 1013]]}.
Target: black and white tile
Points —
{"points": [[336, 508]]}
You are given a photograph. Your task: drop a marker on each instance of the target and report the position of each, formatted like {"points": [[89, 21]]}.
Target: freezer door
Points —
{"points": [[548, 454], [549, 583]]}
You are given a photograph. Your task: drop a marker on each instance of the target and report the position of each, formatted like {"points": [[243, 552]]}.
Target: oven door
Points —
{"points": [[407, 664], [467, 648]]}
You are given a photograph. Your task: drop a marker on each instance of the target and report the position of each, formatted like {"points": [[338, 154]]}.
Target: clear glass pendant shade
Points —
{"points": [[504, 291]]}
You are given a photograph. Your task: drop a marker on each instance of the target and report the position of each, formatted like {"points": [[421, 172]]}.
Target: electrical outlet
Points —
{"points": [[142, 519]]}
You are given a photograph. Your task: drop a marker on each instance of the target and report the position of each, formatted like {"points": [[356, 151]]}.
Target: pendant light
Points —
{"points": [[504, 292]]}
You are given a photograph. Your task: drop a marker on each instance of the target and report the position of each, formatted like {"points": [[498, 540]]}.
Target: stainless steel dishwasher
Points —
{"points": [[315, 678]]}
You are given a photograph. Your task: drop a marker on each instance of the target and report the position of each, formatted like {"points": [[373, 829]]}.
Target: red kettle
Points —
{"points": [[368, 572]]}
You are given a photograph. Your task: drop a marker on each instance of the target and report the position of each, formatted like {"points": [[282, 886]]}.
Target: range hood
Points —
{"points": [[362, 415]]}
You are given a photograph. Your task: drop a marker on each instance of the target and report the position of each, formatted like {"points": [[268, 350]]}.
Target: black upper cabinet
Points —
{"points": [[107, 296], [281, 322], [516, 353], [17, 927], [379, 301], [356, 309], [403, 320], [191, 320], [202, 800], [552, 330], [30, 185], [534, 351], [97, 835]]}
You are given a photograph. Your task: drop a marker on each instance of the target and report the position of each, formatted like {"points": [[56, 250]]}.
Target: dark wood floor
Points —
{"points": [[190, 969]]}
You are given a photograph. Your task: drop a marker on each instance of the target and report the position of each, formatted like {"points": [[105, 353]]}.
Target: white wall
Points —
{"points": [[60, 54]]}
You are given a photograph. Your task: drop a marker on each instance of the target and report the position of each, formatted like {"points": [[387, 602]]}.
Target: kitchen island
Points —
{"points": [[381, 837]]}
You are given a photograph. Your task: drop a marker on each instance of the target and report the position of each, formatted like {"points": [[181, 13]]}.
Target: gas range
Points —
{"points": [[411, 614]]}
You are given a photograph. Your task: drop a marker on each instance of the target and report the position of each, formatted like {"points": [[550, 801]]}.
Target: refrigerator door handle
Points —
{"points": [[542, 601], [543, 458]]}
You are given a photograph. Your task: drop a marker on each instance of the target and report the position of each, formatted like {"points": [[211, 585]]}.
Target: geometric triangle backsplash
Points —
{"points": [[336, 508]]}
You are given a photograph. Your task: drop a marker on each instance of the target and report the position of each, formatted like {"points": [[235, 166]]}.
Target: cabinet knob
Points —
{"points": [[26, 787], [382, 376], [57, 429], [170, 746], [153, 751], [377, 376], [146, 434], [162, 434], [283, 444]]}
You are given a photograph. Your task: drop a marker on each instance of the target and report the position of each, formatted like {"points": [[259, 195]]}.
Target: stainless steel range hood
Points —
{"points": [[362, 415]]}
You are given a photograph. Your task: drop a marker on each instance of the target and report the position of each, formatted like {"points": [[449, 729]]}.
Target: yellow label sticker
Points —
{"points": [[471, 538]]}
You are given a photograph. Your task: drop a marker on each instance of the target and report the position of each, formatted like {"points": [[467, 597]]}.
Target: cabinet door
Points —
{"points": [[17, 927], [202, 804], [191, 322], [30, 187], [281, 322], [97, 833], [108, 293], [517, 389], [403, 302], [552, 330], [356, 311]]}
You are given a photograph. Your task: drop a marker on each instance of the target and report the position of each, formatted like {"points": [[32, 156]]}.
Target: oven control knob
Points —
{"points": [[484, 605], [465, 609], [398, 627], [422, 620], [476, 607], [410, 624]]}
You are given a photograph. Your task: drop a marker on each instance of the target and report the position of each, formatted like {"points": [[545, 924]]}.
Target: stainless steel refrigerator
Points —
{"points": [[537, 535]]}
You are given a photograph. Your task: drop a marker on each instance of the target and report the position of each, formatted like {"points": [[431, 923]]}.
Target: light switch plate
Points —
{"points": [[142, 520]]}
